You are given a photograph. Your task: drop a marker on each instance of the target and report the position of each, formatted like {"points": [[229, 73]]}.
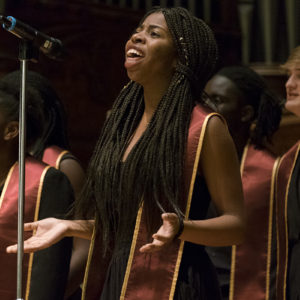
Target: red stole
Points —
{"points": [[34, 172], [250, 264], [52, 156], [154, 276], [284, 175]]}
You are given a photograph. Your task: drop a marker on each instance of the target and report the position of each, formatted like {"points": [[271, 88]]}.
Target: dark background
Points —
{"points": [[91, 76]]}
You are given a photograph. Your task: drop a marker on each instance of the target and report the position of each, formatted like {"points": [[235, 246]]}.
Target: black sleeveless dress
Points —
{"points": [[293, 279], [197, 279]]}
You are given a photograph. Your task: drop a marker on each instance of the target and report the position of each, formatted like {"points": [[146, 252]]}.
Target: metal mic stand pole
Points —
{"points": [[26, 52]]}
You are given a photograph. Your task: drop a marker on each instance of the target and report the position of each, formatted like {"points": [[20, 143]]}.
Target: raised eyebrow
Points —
{"points": [[151, 26], [156, 26], [289, 71]]}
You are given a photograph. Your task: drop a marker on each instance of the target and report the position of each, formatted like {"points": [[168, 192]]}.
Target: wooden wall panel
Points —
{"points": [[92, 74]]}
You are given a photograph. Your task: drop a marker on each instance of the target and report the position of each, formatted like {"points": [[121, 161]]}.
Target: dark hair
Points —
{"points": [[9, 103], [53, 125], [293, 59], [153, 171], [266, 104]]}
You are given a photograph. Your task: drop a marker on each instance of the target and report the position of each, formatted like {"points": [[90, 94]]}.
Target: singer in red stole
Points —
{"points": [[160, 159], [52, 147], [288, 195], [47, 193], [247, 271]]}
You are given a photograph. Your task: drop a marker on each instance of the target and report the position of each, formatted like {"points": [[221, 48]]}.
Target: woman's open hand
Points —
{"points": [[165, 234], [45, 233]]}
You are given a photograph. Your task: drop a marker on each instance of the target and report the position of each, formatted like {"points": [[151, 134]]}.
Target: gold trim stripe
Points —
{"points": [[6, 183], [57, 163], [189, 201], [232, 273], [88, 264], [286, 225], [233, 248], [132, 250], [273, 180], [36, 216]]}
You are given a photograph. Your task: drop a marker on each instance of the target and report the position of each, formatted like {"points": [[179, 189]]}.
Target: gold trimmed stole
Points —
{"points": [[52, 156], [154, 276], [251, 261], [151, 276], [34, 177], [285, 170]]}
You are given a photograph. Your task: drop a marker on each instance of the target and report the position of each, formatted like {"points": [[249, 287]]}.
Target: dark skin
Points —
{"points": [[9, 146], [76, 175], [153, 40], [231, 104]]}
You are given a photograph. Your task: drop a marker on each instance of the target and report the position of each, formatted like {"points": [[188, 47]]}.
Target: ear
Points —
{"points": [[11, 130], [247, 113]]}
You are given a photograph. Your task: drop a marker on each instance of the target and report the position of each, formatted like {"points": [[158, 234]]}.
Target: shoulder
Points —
{"points": [[204, 116], [217, 143], [216, 127], [57, 194]]}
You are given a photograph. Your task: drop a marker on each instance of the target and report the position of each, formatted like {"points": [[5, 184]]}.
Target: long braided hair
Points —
{"points": [[53, 125], [153, 170], [9, 105], [267, 105]]}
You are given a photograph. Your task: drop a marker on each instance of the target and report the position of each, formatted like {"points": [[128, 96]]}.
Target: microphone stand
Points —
{"points": [[31, 42], [26, 52]]}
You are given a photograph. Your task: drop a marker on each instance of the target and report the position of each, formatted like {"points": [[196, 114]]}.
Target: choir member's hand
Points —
{"points": [[45, 233], [165, 235]]}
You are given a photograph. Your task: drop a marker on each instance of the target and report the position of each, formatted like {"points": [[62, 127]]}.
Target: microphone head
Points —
{"points": [[6, 23], [54, 49]]}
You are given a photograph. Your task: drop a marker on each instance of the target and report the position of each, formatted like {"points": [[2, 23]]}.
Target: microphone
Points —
{"points": [[50, 46]]}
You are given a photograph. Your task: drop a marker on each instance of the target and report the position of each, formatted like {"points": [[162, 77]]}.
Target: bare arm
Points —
{"points": [[220, 168], [72, 168], [49, 231], [77, 265], [75, 173]]}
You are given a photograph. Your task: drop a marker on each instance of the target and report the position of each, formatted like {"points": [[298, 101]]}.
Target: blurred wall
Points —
{"points": [[94, 34], [91, 75]]}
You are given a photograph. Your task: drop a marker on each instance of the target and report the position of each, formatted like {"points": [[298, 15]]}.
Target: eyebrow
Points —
{"points": [[151, 26], [290, 70]]}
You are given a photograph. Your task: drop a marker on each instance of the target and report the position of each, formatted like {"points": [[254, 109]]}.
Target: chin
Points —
{"points": [[131, 75], [293, 107]]}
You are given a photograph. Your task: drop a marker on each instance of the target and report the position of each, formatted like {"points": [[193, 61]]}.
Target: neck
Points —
{"points": [[152, 97], [240, 140], [7, 159]]}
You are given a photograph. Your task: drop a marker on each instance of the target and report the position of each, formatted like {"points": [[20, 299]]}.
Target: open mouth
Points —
{"points": [[133, 53], [292, 95]]}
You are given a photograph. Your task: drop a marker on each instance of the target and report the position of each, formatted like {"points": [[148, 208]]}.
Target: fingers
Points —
{"points": [[148, 248], [27, 248], [30, 226], [161, 238], [171, 217], [12, 249], [164, 235]]}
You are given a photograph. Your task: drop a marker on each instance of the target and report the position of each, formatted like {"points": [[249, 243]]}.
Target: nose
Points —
{"points": [[291, 83], [138, 37]]}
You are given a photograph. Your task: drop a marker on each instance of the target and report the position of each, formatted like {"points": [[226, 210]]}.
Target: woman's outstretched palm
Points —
{"points": [[45, 233], [165, 233]]}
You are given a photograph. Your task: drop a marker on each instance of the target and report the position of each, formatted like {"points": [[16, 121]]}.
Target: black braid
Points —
{"points": [[54, 128], [154, 168], [267, 105], [9, 103]]}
